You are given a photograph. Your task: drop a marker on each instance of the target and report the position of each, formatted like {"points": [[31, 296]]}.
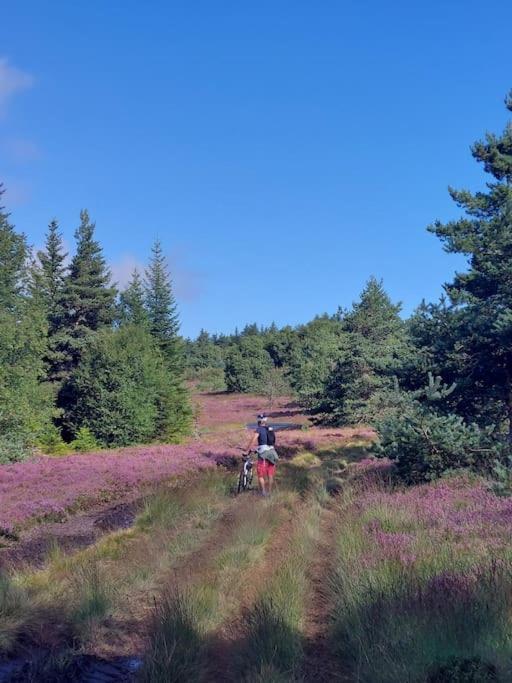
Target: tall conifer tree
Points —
{"points": [[373, 350], [51, 279], [132, 302], [482, 296], [25, 406], [161, 304], [89, 297], [53, 276], [13, 261]]}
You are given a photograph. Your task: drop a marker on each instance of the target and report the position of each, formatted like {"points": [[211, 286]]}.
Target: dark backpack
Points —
{"points": [[271, 436]]}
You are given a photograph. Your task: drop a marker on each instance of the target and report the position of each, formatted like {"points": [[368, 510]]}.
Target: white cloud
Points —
{"points": [[12, 81], [186, 281], [123, 268], [20, 150], [17, 192]]}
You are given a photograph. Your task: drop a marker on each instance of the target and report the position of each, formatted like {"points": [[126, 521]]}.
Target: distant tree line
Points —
{"points": [[80, 362], [437, 386]]}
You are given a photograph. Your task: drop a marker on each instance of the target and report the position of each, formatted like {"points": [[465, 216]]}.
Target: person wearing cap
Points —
{"points": [[263, 439]]}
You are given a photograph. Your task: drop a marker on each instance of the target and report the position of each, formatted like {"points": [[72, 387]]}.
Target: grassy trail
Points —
{"points": [[224, 645], [319, 664], [205, 586]]}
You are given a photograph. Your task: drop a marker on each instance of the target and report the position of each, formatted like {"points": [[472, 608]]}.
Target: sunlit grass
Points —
{"points": [[414, 592], [272, 649], [110, 578], [205, 604]]}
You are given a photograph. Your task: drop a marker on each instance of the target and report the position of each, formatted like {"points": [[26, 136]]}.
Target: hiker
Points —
{"points": [[265, 437]]}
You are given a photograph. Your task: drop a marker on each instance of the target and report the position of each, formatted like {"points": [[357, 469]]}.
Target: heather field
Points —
{"points": [[53, 487], [342, 574]]}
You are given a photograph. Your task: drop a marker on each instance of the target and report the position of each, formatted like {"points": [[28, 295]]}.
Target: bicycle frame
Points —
{"points": [[246, 474]]}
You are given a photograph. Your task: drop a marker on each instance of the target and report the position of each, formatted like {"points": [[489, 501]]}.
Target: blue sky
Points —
{"points": [[282, 151]]}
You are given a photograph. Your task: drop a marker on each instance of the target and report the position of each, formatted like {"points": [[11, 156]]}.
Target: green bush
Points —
{"points": [[247, 365], [85, 441], [50, 442], [13, 449], [426, 444], [124, 391], [209, 379]]}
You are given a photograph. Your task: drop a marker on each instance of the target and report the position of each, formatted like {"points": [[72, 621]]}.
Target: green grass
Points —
{"points": [[15, 611], [272, 649], [390, 623], [77, 594], [183, 622], [174, 653]]}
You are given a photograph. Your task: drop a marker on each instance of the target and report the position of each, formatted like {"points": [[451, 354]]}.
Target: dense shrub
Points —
{"points": [[424, 442], [208, 379], [13, 449], [124, 392], [84, 441], [247, 365]]}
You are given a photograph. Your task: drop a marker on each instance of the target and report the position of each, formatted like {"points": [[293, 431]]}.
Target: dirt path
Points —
{"points": [[319, 665], [76, 533], [80, 530], [223, 644], [132, 630]]}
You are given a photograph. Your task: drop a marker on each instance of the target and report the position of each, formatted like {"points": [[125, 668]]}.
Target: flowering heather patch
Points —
{"points": [[423, 577], [239, 409], [50, 487], [458, 514]]}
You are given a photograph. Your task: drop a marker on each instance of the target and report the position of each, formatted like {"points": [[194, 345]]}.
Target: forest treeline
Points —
{"points": [[83, 365], [438, 386]]}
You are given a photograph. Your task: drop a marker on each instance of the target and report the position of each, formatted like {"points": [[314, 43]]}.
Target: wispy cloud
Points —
{"points": [[123, 268], [12, 81], [17, 192], [20, 151], [187, 282]]}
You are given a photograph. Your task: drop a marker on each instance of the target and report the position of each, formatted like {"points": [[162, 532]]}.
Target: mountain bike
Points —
{"points": [[246, 473]]}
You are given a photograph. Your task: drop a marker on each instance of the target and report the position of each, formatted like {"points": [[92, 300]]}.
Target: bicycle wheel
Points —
{"points": [[242, 482]]}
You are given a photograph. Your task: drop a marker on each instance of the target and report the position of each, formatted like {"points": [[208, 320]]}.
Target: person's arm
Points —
{"points": [[253, 441]]}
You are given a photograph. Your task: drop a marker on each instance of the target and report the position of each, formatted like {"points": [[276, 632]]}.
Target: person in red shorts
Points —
{"points": [[264, 440]]}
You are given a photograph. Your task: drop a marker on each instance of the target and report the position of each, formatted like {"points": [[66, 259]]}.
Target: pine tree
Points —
{"points": [[374, 348], [161, 304], [50, 279], [481, 298], [89, 297], [374, 316], [13, 261], [25, 405], [132, 304], [53, 276]]}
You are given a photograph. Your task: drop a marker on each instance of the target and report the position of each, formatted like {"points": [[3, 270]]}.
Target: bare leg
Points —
{"points": [[262, 485], [270, 483]]}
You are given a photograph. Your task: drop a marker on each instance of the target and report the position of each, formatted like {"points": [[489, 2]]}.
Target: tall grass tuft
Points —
{"points": [[93, 595], [415, 594], [174, 653], [15, 611], [273, 645]]}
